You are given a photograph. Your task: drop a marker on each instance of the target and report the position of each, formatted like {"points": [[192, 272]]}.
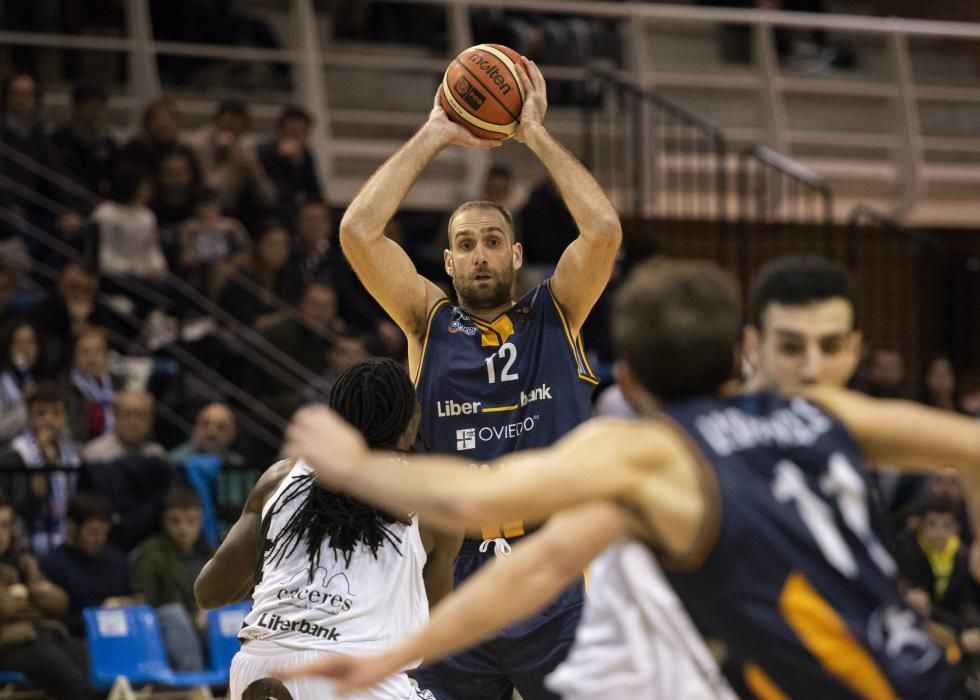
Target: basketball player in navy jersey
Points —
{"points": [[753, 504], [493, 375], [802, 330]]}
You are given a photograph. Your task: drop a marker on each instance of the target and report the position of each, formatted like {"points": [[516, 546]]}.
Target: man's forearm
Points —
{"points": [[592, 211], [514, 587], [384, 191]]}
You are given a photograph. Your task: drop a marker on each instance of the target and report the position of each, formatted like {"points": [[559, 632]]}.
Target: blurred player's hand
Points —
{"points": [[535, 97], [325, 440], [349, 673], [454, 134]]}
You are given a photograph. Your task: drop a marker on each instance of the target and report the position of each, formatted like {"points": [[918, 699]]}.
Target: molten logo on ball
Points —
{"points": [[492, 72]]}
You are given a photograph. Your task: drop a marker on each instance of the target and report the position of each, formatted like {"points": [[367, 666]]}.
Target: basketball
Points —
{"points": [[482, 91]]}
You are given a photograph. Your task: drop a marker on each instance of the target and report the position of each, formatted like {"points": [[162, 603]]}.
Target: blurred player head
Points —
{"points": [[802, 324], [675, 325], [482, 258]]}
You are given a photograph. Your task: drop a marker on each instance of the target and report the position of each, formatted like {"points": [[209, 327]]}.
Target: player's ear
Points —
{"points": [[634, 393], [447, 256], [518, 253]]}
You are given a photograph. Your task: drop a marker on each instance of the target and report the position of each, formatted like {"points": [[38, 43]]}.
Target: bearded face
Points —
{"points": [[482, 260]]}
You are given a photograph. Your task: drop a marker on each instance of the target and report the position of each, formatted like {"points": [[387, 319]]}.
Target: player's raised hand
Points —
{"points": [[349, 673], [455, 134], [326, 441], [535, 96]]}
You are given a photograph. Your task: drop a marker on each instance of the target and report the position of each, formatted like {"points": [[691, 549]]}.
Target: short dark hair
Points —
{"points": [[483, 204], [800, 280], [126, 179], [676, 324], [84, 93], [236, 108], [47, 392], [293, 112], [181, 497], [945, 504], [89, 505]]}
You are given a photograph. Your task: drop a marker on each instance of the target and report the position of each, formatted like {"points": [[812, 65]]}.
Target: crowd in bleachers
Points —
{"points": [[120, 474]]}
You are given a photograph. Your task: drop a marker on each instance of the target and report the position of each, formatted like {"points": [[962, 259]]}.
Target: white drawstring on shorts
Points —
{"points": [[501, 547]]}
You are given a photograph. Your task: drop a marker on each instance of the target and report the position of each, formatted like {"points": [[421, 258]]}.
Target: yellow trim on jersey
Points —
{"points": [[827, 637], [584, 371], [498, 409], [425, 343], [761, 685], [497, 332]]}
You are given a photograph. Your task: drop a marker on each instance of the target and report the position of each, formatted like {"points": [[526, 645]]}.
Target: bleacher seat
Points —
{"points": [[222, 630], [11, 677], [126, 642]]}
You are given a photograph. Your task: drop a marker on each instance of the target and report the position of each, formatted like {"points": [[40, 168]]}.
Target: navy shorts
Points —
{"points": [[519, 657]]}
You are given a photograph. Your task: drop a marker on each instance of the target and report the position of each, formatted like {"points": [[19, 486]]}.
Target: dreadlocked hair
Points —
{"points": [[376, 397]]}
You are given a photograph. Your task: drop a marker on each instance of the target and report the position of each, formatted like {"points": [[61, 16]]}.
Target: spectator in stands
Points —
{"points": [[937, 386], [289, 163], [214, 469], [22, 130], [129, 242], [214, 433], [343, 352], [176, 181], [933, 559], [165, 567], [93, 388], [32, 638], [211, 245], [20, 367], [130, 437], [159, 133], [498, 187], [229, 162], [87, 150], [315, 257], [885, 374], [971, 394], [548, 223], [253, 293], [91, 570], [72, 306], [306, 341], [42, 499]]}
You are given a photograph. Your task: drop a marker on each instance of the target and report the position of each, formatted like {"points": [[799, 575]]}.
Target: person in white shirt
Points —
{"points": [[331, 575], [128, 238]]}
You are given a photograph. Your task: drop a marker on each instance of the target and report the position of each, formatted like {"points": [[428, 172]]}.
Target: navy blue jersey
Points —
{"points": [[490, 388], [796, 585]]}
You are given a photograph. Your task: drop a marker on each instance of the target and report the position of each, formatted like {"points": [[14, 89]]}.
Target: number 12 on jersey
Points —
{"points": [[507, 353]]}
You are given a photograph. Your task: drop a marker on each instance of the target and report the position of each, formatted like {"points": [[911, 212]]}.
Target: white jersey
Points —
{"points": [[635, 639], [354, 608]]}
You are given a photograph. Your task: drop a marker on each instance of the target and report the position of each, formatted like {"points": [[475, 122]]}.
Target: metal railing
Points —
{"points": [[652, 155]]}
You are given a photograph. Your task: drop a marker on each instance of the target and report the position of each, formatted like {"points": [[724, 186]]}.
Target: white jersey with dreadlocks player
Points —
{"points": [[354, 607]]}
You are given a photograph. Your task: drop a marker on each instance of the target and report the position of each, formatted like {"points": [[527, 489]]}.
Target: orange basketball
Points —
{"points": [[481, 91]]}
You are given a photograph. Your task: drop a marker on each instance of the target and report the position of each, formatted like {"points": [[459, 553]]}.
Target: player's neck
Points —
{"points": [[486, 313]]}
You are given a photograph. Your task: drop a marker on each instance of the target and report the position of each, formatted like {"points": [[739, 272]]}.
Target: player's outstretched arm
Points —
{"points": [[587, 263], [905, 434], [641, 464], [510, 589], [228, 576], [385, 269]]}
